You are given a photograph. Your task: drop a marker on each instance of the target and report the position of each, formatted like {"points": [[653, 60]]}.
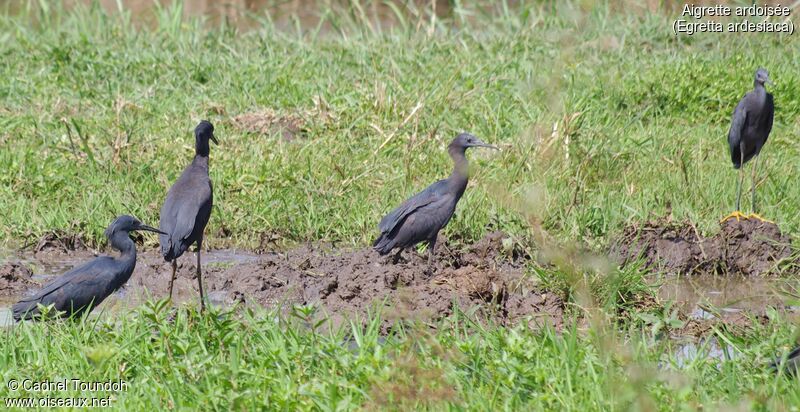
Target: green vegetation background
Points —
{"points": [[604, 116]]}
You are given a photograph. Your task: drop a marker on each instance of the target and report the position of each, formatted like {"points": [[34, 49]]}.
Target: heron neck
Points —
{"points": [[201, 146], [122, 242], [460, 173], [200, 160], [759, 87]]}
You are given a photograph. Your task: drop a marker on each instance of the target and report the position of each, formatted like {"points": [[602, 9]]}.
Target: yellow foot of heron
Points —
{"points": [[735, 215], [756, 216]]}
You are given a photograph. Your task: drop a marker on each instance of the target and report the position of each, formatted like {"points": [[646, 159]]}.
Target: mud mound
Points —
{"points": [[15, 278], [351, 283], [747, 247]]}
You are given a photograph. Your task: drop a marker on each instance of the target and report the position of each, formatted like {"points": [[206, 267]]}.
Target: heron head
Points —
{"points": [[202, 134], [465, 140], [205, 131], [126, 223], [762, 77]]}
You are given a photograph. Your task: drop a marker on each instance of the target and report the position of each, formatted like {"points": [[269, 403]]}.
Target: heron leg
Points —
{"points": [[200, 280], [753, 214], [737, 214], [741, 179], [753, 186], [172, 279], [431, 255], [397, 256]]}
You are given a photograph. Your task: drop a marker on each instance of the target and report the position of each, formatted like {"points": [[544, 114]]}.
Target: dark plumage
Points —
{"points": [[188, 207], [86, 286], [421, 217], [792, 364], [750, 128]]}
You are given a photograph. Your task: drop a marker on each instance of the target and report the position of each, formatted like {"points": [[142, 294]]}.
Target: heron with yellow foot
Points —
{"points": [[750, 128]]}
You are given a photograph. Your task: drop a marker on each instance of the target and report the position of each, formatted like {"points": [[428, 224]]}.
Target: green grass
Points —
{"points": [[96, 114], [230, 362], [97, 120]]}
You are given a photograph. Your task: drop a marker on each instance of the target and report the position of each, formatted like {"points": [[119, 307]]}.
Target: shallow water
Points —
{"points": [[47, 266], [6, 319], [708, 349], [702, 296]]}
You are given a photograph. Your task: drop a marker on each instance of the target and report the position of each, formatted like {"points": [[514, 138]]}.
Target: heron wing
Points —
{"points": [[426, 197], [425, 221], [770, 114], [188, 202], [737, 125], [186, 219], [72, 290]]}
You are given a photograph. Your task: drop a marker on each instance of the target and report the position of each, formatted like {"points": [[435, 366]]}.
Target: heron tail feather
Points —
{"points": [[383, 244]]}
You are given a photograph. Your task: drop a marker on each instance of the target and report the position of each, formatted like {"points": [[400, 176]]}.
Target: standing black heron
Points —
{"points": [[750, 127], [421, 217], [188, 207], [86, 286]]}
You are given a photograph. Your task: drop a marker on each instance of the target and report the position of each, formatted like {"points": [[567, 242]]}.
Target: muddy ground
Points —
{"points": [[487, 277], [347, 283], [748, 248], [15, 278]]}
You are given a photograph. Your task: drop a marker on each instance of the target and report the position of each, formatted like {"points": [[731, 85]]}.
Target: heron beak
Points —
{"points": [[769, 82], [150, 229], [479, 143], [214, 139]]}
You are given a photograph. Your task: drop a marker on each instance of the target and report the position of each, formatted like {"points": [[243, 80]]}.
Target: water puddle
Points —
{"points": [[707, 350], [707, 297], [47, 266]]}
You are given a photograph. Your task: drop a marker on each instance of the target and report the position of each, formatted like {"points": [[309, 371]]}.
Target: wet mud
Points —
{"points": [[486, 278], [722, 282], [347, 284], [747, 248], [15, 278]]}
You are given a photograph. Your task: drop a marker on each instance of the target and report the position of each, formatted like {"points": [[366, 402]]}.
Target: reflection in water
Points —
{"points": [[704, 350], [703, 296], [6, 318]]}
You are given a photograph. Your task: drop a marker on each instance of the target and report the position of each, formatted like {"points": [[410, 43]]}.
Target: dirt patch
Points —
{"points": [[15, 278], [267, 121], [346, 284], [747, 247]]}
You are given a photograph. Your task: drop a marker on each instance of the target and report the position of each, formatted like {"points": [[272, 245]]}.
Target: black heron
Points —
{"points": [[750, 127], [421, 217], [188, 207], [86, 286]]}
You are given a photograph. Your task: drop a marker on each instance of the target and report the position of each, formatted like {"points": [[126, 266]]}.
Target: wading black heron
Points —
{"points": [[86, 286], [188, 207], [421, 217], [750, 127]]}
